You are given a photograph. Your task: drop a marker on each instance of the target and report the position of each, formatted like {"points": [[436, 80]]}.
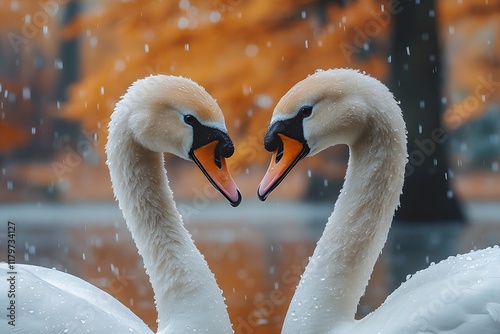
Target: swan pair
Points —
{"points": [[342, 106]]}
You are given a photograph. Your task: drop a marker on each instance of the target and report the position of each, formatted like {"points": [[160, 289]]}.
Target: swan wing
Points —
{"points": [[459, 295], [50, 301]]}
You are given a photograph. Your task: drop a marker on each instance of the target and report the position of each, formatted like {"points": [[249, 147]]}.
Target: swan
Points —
{"points": [[157, 114], [343, 106]]}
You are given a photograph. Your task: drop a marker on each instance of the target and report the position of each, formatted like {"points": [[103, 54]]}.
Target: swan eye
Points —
{"points": [[306, 111], [189, 119]]}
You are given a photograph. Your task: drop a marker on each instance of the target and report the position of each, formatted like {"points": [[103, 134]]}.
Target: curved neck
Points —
{"points": [[338, 272], [186, 293]]}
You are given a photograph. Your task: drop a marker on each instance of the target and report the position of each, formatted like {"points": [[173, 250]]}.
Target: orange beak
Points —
{"points": [[284, 158], [215, 169]]}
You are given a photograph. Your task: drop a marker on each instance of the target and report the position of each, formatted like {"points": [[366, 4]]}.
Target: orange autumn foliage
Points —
{"points": [[247, 54], [29, 39], [13, 130], [469, 33], [11, 136]]}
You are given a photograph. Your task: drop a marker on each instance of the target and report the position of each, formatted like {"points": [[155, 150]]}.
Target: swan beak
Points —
{"points": [[215, 169], [285, 157]]}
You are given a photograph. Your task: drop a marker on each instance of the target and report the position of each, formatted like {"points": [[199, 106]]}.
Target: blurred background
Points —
{"points": [[65, 63]]}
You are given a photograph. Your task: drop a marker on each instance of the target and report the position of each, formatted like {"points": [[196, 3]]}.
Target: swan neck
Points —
{"points": [[181, 280], [339, 270]]}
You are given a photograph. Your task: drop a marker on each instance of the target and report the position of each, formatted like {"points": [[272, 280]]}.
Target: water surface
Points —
{"points": [[257, 252]]}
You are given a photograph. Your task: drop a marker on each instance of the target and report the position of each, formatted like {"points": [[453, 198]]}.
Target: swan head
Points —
{"points": [[175, 115], [326, 108]]}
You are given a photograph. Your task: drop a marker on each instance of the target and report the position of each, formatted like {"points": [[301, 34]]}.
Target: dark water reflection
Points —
{"points": [[256, 252]]}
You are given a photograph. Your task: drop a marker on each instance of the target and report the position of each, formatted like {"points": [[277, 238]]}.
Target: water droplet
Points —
{"points": [[26, 93], [263, 101], [251, 50], [119, 66], [183, 23], [184, 4], [93, 41], [214, 16], [14, 5], [114, 269]]}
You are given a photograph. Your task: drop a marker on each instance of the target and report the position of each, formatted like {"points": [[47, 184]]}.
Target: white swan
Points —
{"points": [[157, 114], [342, 106]]}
